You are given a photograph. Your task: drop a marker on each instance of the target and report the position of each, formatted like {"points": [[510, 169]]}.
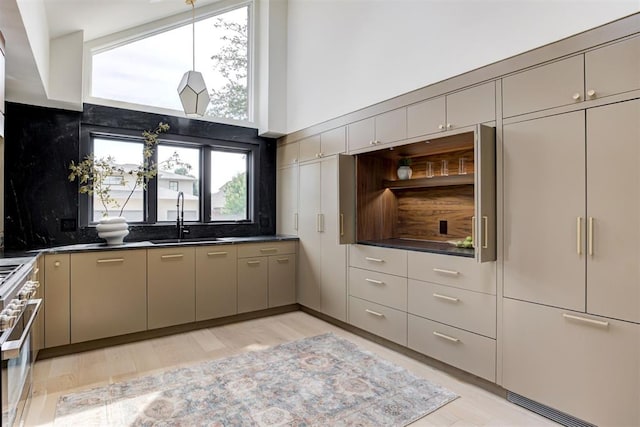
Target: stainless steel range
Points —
{"points": [[19, 309]]}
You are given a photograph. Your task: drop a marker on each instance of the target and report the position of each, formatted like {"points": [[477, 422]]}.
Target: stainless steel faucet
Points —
{"points": [[180, 216]]}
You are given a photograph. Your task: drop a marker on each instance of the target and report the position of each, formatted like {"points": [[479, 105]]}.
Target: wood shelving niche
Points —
{"points": [[436, 181]]}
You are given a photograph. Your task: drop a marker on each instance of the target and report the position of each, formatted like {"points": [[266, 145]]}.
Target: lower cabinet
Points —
{"points": [[56, 287], [108, 294], [171, 286], [253, 284], [282, 283], [378, 319], [583, 365], [216, 281]]}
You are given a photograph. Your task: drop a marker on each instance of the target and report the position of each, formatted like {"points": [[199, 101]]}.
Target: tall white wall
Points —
{"points": [[343, 55]]}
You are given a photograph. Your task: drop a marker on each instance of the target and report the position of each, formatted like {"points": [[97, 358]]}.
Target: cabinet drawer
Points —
{"points": [[384, 260], [471, 106], [381, 288], [583, 365], [287, 154], [472, 311], [460, 272], [547, 86], [378, 319], [250, 250], [470, 352], [613, 69]]}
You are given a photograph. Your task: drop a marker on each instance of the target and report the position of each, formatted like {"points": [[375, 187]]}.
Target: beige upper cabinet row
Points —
{"points": [[317, 146], [598, 73], [381, 129]]}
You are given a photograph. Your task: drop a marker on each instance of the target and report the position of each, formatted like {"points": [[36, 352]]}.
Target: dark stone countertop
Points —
{"points": [[443, 248], [163, 244]]}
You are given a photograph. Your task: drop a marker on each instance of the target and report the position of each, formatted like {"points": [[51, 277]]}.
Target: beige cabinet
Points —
{"points": [[381, 129], [57, 297], [557, 252], [323, 145], [459, 109], [326, 218], [380, 288], [583, 365], [287, 200], [287, 154], [216, 281], [108, 294], [266, 275], [613, 69], [384, 260], [171, 286], [378, 319]]}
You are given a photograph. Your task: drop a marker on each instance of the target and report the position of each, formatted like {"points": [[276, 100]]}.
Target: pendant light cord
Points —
{"points": [[193, 34]]}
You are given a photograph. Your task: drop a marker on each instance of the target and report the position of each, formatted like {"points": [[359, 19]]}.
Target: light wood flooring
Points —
{"points": [[61, 375]]}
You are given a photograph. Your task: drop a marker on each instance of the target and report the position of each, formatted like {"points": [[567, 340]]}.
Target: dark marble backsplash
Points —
{"points": [[39, 144]]}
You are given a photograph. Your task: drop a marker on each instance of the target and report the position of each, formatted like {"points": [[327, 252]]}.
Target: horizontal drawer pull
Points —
{"points": [[446, 297], [374, 259], [451, 272], [253, 262], [108, 260], [585, 320], [282, 260], [375, 313], [269, 250], [172, 256], [217, 253], [376, 282], [446, 337]]}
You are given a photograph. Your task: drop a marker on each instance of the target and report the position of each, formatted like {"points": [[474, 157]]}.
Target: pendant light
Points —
{"points": [[192, 89]]}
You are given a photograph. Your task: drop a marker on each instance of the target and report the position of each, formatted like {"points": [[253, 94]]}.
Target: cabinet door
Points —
{"points": [[426, 117], [216, 281], [471, 106], [57, 288], [333, 267], [287, 154], [361, 134], [391, 126], [253, 276], [613, 69], [287, 200], [485, 194], [333, 141], [282, 280], [171, 286], [346, 198], [309, 148], [613, 211], [309, 268], [544, 204], [108, 294], [585, 366], [547, 86]]}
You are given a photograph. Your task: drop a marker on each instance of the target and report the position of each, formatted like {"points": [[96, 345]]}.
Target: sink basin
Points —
{"points": [[179, 241]]}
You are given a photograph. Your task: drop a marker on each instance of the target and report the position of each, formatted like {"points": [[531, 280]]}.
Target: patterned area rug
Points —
{"points": [[319, 381]]}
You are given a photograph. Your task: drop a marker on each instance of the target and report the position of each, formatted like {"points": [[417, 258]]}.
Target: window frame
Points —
{"points": [[150, 195], [149, 30]]}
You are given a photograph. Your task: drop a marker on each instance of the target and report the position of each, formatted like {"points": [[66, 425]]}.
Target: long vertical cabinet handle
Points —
{"points": [[295, 221], [485, 232], [590, 242], [473, 230], [318, 223], [579, 235], [342, 224]]}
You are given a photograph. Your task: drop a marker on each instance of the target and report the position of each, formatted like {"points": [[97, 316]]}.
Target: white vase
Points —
{"points": [[113, 229], [404, 172]]}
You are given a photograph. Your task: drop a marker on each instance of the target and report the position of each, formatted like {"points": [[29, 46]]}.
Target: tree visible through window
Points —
{"points": [[147, 71]]}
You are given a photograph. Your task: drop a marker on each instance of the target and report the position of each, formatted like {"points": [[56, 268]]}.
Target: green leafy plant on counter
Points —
{"points": [[92, 173]]}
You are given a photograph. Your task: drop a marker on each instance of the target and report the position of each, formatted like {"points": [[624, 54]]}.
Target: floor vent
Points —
{"points": [[546, 411]]}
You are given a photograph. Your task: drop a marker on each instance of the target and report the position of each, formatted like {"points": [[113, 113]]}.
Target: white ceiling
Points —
{"points": [[97, 18]]}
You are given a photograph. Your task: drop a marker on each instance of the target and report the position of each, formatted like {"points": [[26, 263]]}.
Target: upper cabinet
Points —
{"points": [[381, 129], [552, 85], [598, 73], [322, 145], [459, 109], [613, 69], [287, 155]]}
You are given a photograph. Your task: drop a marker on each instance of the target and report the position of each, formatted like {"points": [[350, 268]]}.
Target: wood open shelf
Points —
{"points": [[436, 181]]}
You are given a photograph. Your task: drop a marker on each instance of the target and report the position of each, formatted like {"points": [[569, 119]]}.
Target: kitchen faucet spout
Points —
{"points": [[180, 216]]}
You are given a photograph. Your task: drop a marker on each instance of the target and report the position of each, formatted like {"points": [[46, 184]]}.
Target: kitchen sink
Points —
{"points": [[179, 241]]}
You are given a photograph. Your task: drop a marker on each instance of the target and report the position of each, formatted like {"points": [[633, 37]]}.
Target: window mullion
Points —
{"points": [[206, 184]]}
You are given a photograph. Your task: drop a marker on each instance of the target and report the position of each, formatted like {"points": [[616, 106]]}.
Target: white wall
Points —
{"points": [[344, 55]]}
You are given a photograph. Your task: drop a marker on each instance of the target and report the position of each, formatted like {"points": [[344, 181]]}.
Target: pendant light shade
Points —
{"points": [[193, 93], [192, 89]]}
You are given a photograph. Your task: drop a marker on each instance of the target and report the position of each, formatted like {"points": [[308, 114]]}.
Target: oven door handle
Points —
{"points": [[11, 349]]}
